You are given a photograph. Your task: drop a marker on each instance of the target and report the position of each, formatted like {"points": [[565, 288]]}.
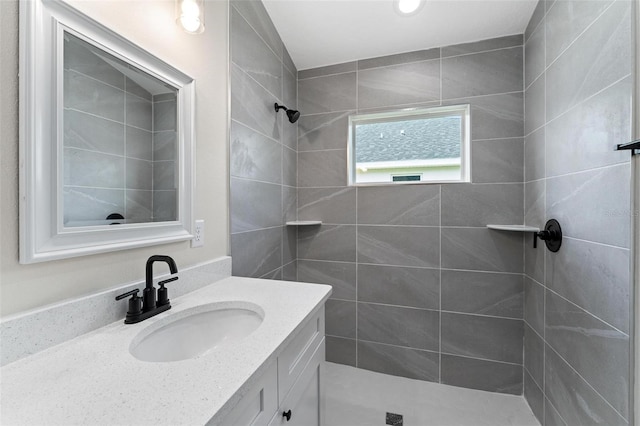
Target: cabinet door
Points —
{"points": [[304, 397], [259, 404]]}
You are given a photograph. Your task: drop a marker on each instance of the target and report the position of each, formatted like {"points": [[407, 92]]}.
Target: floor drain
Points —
{"points": [[394, 419]]}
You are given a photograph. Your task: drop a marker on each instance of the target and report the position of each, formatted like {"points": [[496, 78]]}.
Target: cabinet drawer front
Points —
{"points": [[293, 360], [303, 404], [257, 407]]}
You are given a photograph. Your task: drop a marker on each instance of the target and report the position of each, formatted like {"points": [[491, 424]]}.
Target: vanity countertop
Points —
{"points": [[93, 379]]}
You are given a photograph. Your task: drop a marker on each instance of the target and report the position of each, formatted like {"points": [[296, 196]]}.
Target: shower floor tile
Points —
{"points": [[356, 397]]}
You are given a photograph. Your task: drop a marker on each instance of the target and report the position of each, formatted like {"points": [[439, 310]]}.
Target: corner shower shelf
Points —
{"points": [[514, 228], [304, 222]]}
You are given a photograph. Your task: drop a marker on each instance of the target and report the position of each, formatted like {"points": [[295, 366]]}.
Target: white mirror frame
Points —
{"points": [[42, 234]]}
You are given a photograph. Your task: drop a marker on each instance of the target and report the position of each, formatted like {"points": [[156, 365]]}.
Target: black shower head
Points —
{"points": [[291, 113]]}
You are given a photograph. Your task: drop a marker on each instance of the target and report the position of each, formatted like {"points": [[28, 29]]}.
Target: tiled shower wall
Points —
{"points": [[164, 157], [577, 315], [422, 288], [263, 155], [106, 171]]}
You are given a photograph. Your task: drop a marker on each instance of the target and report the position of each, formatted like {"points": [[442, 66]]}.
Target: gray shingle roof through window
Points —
{"points": [[420, 139]]}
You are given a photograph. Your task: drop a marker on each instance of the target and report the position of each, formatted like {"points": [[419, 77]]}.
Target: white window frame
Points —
{"points": [[405, 114]]}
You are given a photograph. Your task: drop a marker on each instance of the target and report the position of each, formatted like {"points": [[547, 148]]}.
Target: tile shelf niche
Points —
{"points": [[304, 222]]}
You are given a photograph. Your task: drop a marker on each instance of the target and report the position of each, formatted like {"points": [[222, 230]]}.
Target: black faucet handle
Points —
{"points": [[168, 280], [163, 294], [127, 294]]}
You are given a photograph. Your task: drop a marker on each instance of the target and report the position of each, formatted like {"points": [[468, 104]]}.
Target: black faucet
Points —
{"points": [[141, 308]]}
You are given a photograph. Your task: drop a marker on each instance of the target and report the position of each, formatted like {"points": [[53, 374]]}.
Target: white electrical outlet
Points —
{"points": [[198, 234]]}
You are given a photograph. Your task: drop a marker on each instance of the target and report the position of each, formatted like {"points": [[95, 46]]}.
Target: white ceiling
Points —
{"points": [[327, 32]]}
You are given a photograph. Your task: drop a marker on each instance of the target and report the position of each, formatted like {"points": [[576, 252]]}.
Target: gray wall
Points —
{"points": [[422, 288], [577, 102], [263, 144]]}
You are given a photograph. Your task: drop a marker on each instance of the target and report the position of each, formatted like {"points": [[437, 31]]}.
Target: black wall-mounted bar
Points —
{"points": [[633, 146]]}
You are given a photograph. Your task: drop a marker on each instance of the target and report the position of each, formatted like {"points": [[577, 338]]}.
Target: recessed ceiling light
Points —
{"points": [[408, 7]]}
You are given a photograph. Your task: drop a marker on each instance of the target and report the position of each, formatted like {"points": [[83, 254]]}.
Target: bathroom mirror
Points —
{"points": [[106, 139]]}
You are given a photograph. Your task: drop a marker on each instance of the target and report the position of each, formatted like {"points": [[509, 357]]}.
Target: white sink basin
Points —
{"points": [[196, 331]]}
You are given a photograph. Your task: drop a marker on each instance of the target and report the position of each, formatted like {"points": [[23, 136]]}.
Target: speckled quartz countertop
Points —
{"points": [[94, 380]]}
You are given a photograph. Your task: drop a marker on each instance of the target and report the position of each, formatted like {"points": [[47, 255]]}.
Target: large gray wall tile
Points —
{"points": [[534, 204], [164, 174], [140, 113], [340, 275], [330, 205], [257, 16], [534, 56], [79, 56], [324, 131], [590, 205], [93, 169], [483, 45], [534, 396], [289, 167], [327, 242], [534, 155], [551, 415], [400, 58], [289, 244], [497, 161], [250, 53], [497, 339], [322, 168], [393, 285], [495, 116], [598, 352], [496, 71], [399, 84], [253, 155], [165, 146], [328, 70], [165, 116], [409, 327], [399, 205], [340, 350], [536, 18], [326, 94], [481, 204], [585, 137], [567, 20], [139, 205], [483, 293], [593, 276], [256, 253], [399, 245], [93, 133], [574, 399], [534, 305], [403, 362], [252, 105], [81, 204], [534, 355], [481, 374], [85, 94], [139, 143], [598, 58], [245, 196], [534, 105], [481, 249], [340, 318]]}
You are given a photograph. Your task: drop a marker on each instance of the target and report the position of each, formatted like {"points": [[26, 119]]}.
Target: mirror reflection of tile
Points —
{"points": [[120, 147]]}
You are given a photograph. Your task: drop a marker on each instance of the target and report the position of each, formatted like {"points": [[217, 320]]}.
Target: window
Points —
{"points": [[410, 146]]}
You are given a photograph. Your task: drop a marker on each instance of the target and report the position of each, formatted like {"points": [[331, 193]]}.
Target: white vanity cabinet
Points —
{"points": [[289, 392]]}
